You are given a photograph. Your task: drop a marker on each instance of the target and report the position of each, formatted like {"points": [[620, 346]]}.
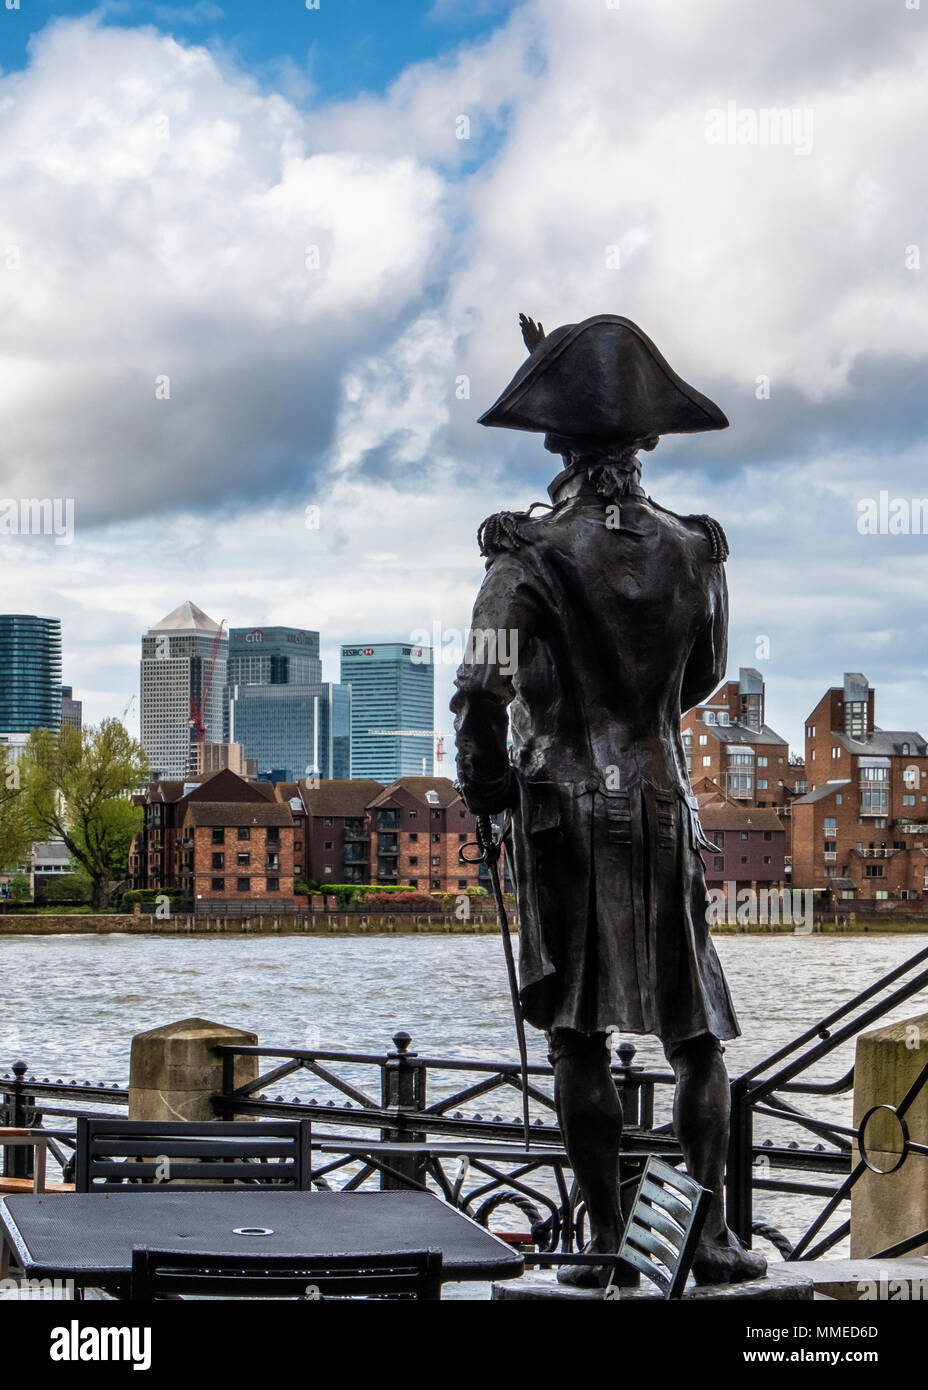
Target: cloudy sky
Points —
{"points": [[256, 259]]}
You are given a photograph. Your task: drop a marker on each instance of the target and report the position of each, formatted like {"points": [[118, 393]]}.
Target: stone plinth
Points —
{"points": [[867, 1280], [780, 1283], [885, 1208], [174, 1071]]}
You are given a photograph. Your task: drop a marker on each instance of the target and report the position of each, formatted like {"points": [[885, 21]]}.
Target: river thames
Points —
{"points": [[72, 1003]]}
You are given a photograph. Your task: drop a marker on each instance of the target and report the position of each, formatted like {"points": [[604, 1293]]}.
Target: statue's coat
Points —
{"points": [[619, 629]]}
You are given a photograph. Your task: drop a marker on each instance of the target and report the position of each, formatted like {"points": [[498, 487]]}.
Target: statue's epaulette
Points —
{"points": [[505, 531], [717, 538], [718, 541]]}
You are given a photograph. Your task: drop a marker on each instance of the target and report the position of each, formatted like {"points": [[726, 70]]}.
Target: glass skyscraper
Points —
{"points": [[183, 663], [392, 709], [273, 656], [293, 731], [30, 673]]}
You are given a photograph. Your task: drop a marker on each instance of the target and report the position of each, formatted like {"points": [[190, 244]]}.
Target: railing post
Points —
{"points": [[20, 1114], [739, 1196], [403, 1084]]}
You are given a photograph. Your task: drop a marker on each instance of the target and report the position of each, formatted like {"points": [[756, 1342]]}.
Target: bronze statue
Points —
{"points": [[608, 617]]}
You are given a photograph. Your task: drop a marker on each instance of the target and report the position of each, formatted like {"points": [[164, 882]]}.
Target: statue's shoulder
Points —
{"points": [[701, 524], [505, 532]]}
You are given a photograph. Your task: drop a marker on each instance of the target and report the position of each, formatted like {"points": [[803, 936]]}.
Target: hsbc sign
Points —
{"points": [[357, 651]]}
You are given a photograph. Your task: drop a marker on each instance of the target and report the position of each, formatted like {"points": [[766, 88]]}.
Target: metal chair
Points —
{"points": [[38, 1140], [137, 1155], [661, 1232], [169, 1275]]}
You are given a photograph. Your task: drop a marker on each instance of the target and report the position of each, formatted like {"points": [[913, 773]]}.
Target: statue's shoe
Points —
{"points": [[727, 1264]]}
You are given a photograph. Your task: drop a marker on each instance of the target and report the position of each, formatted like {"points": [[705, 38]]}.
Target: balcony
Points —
{"points": [[357, 854], [388, 844], [388, 820], [356, 830], [876, 853], [831, 856], [273, 864]]}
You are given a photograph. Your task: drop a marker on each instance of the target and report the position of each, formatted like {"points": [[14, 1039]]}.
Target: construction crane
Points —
{"points": [[439, 735], [198, 712]]}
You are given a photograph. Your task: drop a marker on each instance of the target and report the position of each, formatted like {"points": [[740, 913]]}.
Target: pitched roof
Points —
{"points": [[349, 797], [820, 793], [740, 733], [186, 618], [884, 743], [718, 816], [445, 791], [238, 813]]}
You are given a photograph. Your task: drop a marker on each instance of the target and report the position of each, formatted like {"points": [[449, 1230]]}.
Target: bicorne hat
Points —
{"points": [[602, 379]]}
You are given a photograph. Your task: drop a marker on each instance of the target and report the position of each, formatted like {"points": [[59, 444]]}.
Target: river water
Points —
{"points": [[72, 1003]]}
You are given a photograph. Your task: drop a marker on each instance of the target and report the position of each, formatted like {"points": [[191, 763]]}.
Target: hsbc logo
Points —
{"points": [[358, 651]]}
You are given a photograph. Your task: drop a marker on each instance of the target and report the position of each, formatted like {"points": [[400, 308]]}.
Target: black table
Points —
{"points": [[88, 1237]]}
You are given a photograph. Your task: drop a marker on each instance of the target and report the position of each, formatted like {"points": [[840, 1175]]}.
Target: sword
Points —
{"points": [[490, 854]]}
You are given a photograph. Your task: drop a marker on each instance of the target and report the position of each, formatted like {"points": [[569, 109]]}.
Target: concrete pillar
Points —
{"points": [[174, 1070], [886, 1208]]}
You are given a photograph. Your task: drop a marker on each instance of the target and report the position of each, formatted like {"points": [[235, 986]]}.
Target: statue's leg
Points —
{"points": [[590, 1115], [701, 1111]]}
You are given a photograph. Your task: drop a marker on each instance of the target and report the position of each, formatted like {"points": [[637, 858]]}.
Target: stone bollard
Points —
{"points": [[174, 1071], [886, 1207]]}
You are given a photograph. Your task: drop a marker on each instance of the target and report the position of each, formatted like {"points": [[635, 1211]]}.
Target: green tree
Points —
{"points": [[76, 786], [15, 836], [20, 888]]}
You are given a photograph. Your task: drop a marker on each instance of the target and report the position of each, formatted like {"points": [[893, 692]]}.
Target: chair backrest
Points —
{"points": [[167, 1274], [664, 1225], [136, 1155]]}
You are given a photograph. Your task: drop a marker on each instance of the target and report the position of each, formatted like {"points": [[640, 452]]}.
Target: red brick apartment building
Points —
{"points": [[751, 841], [407, 834], [727, 740], [218, 838], [862, 828]]}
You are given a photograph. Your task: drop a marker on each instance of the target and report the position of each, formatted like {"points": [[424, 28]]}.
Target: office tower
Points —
{"points": [[293, 731], [182, 688], [273, 656], [72, 711], [392, 709], [30, 675]]}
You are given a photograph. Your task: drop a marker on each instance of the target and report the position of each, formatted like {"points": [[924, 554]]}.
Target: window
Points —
{"points": [[414, 859], [413, 814], [414, 835], [462, 882], [219, 835], [327, 820], [831, 846], [908, 801], [873, 871], [243, 859], [328, 844], [761, 784], [839, 800], [761, 762], [768, 834], [881, 893], [273, 885], [744, 859], [745, 834], [219, 861], [217, 885], [463, 838], [244, 832], [436, 859], [436, 839], [718, 863], [831, 825], [297, 844], [243, 885], [436, 882], [707, 762], [703, 740], [766, 858]]}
